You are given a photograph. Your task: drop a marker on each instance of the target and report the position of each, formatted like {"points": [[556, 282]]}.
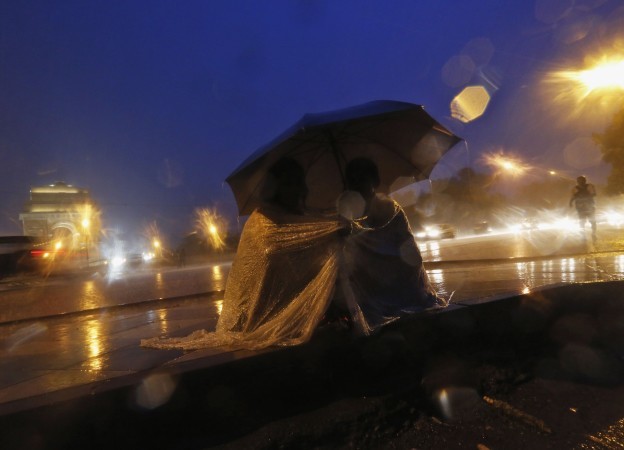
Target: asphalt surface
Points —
{"points": [[57, 359]]}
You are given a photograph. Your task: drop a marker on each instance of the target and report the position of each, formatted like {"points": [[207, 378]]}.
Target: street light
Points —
{"points": [[157, 249], [211, 225], [608, 74], [513, 166], [592, 86], [86, 223]]}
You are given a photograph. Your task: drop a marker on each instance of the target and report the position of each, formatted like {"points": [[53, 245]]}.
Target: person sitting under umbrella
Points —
{"points": [[289, 263], [382, 273], [283, 275]]}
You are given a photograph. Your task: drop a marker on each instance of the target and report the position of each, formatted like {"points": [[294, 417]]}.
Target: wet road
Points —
{"points": [[73, 351], [463, 268], [33, 296], [528, 244]]}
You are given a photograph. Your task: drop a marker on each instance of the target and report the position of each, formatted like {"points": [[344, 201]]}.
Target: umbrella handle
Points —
{"points": [[337, 156]]}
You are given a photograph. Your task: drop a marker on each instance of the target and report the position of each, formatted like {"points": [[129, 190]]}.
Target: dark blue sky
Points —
{"points": [[151, 104]]}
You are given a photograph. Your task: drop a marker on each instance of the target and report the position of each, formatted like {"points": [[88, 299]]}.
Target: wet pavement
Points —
{"points": [[67, 353], [45, 360]]}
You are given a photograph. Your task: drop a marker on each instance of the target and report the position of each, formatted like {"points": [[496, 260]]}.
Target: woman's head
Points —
{"points": [[288, 189]]}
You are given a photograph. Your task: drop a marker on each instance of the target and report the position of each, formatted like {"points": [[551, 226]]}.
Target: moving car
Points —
{"points": [[481, 228], [437, 231], [15, 254]]}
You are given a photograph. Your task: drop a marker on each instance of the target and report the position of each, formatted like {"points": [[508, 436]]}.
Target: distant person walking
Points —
{"points": [[583, 199]]}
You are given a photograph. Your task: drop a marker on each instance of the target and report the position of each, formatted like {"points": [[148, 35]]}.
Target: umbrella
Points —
{"points": [[401, 138]]}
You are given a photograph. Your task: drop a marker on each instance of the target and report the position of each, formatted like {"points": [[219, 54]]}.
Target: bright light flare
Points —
{"points": [[608, 74], [433, 232], [506, 164], [515, 228], [212, 226], [590, 91], [614, 218], [118, 261], [470, 103], [565, 224], [153, 235]]}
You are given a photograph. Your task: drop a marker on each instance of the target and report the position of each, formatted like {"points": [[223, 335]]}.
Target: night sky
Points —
{"points": [[151, 104]]}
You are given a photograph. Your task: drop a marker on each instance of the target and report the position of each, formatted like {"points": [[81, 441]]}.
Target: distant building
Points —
{"points": [[62, 213]]}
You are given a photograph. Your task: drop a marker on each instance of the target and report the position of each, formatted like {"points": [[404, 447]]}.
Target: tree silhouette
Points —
{"points": [[611, 143], [549, 193]]}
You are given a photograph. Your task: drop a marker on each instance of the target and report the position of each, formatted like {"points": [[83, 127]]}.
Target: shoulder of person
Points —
{"points": [[384, 207]]}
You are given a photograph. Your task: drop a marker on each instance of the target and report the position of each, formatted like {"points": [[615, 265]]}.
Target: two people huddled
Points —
{"points": [[294, 269]]}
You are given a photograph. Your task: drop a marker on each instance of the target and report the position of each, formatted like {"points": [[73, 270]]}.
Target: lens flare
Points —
{"points": [[592, 91], [470, 103], [504, 164], [212, 226], [607, 74], [153, 235]]}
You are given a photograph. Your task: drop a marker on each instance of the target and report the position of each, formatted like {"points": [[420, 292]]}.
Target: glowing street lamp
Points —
{"points": [[515, 167], [157, 248], [508, 164], [609, 74], [211, 225], [86, 223], [605, 76]]}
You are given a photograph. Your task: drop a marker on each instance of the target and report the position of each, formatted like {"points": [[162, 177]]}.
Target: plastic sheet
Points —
{"points": [[289, 268]]}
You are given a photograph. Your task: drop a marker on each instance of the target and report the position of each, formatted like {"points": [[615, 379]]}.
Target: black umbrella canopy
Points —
{"points": [[401, 138]]}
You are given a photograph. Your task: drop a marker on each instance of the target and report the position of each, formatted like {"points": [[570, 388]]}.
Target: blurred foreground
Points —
{"points": [[542, 370]]}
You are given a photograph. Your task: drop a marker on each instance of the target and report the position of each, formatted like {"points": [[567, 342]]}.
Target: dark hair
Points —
{"points": [[287, 167], [360, 171], [286, 185]]}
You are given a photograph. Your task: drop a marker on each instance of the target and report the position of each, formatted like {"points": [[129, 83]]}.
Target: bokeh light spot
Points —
{"points": [[506, 164], [351, 205], [575, 28], [551, 11], [470, 103], [479, 50], [458, 70], [155, 390]]}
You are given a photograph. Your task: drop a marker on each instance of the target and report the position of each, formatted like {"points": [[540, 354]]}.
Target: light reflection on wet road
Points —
{"points": [[73, 350], [466, 268], [477, 279], [465, 279], [61, 295], [86, 351]]}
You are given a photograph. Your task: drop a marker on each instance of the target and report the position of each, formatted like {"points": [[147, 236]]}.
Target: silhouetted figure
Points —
{"points": [[283, 275], [286, 186], [583, 199], [289, 261], [382, 272], [182, 257], [285, 268]]}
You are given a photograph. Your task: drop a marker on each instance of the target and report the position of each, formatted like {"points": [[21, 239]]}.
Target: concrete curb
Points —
{"points": [[213, 403]]}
